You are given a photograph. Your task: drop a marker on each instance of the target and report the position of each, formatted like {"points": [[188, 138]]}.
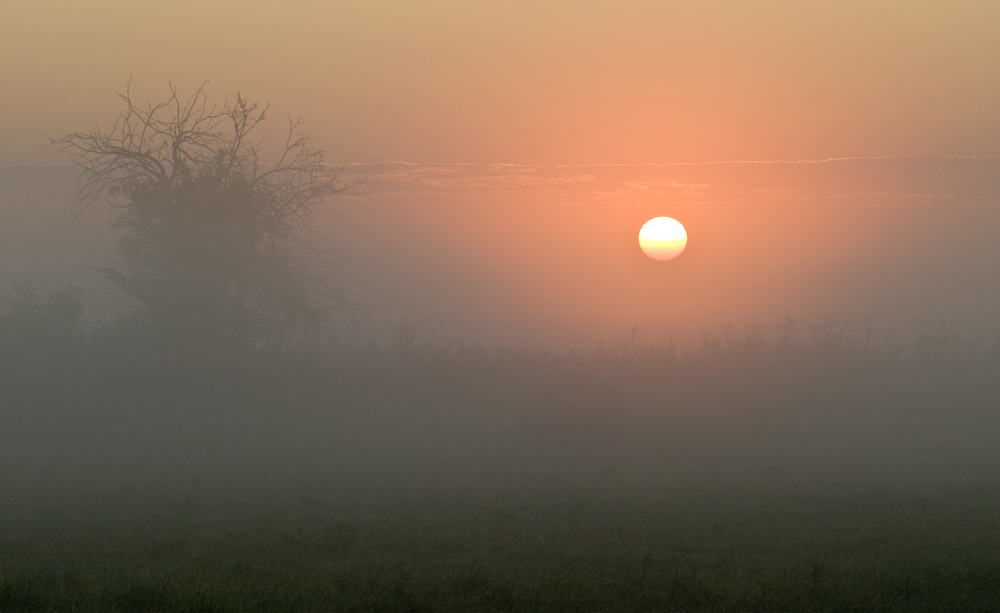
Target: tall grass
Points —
{"points": [[825, 466], [827, 400]]}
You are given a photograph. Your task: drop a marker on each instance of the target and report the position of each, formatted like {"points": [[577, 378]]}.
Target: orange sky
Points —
{"points": [[907, 242], [511, 215], [531, 82]]}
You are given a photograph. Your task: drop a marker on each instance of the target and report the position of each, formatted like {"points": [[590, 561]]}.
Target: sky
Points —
{"points": [[829, 159]]}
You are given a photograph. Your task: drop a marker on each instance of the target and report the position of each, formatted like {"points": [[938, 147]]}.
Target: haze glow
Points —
{"points": [[849, 134]]}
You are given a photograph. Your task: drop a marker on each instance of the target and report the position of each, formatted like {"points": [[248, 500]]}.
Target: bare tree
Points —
{"points": [[217, 244]]}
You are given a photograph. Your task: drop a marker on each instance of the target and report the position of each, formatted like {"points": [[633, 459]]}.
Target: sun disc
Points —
{"points": [[662, 238]]}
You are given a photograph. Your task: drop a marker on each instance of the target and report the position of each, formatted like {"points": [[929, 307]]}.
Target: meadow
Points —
{"points": [[786, 468], [874, 549]]}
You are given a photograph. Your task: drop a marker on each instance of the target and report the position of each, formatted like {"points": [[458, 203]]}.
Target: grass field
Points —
{"points": [[535, 549], [754, 474]]}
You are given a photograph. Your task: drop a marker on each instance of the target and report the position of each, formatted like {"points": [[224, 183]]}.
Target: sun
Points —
{"points": [[662, 238]]}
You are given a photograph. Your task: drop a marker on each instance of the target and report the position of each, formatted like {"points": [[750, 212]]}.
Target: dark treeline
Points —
{"points": [[828, 400]]}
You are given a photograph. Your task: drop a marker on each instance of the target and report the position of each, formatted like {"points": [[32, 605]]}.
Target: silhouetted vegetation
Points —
{"points": [[789, 468], [217, 248], [36, 334]]}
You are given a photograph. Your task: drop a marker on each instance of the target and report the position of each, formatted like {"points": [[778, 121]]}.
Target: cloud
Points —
{"points": [[883, 181], [406, 176]]}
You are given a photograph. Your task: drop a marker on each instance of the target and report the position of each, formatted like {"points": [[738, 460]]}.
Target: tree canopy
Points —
{"points": [[218, 245]]}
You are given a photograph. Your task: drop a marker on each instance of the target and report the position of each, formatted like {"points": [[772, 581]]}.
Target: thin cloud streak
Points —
{"points": [[885, 180]]}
